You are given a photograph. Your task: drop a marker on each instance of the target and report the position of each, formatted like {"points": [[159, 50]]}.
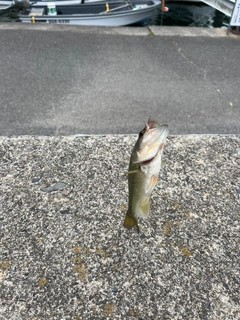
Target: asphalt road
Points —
{"points": [[61, 80]]}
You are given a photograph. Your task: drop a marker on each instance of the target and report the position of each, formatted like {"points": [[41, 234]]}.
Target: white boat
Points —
{"points": [[6, 4], [112, 13]]}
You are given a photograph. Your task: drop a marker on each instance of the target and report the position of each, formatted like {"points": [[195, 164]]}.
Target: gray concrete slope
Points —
{"points": [[65, 255], [61, 80]]}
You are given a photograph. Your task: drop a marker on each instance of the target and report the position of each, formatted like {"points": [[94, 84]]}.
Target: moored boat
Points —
{"points": [[112, 13], [5, 4]]}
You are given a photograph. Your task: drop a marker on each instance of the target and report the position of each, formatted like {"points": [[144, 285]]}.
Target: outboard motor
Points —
{"points": [[21, 3]]}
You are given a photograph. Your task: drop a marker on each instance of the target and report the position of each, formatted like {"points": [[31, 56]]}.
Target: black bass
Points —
{"points": [[144, 167]]}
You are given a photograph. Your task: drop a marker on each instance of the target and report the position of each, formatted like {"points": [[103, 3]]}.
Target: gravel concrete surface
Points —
{"points": [[65, 255]]}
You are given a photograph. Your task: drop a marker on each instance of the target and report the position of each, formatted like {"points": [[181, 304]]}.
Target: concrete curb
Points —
{"points": [[65, 255], [130, 31]]}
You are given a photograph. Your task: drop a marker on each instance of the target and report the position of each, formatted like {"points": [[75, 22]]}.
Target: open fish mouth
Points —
{"points": [[146, 162], [162, 138]]}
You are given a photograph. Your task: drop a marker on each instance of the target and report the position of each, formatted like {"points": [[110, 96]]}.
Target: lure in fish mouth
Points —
{"points": [[144, 167]]}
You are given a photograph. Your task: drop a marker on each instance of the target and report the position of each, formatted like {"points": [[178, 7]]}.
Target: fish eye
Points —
{"points": [[141, 133]]}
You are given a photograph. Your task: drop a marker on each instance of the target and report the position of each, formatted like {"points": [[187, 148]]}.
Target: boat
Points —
{"points": [[112, 13], [4, 5]]}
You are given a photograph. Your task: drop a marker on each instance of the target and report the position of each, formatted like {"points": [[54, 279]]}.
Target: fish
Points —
{"points": [[143, 171]]}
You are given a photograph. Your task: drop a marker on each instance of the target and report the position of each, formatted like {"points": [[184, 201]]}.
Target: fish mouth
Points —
{"points": [[144, 163], [148, 161], [163, 134]]}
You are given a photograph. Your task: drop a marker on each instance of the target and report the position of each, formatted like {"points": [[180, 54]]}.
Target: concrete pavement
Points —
{"points": [[62, 80], [65, 255]]}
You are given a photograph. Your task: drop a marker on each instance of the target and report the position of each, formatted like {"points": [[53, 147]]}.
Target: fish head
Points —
{"points": [[150, 142]]}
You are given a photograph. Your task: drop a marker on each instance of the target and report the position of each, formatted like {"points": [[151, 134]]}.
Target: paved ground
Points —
{"points": [[65, 255], [72, 80]]}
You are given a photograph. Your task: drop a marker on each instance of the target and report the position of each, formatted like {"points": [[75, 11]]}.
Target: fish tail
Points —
{"points": [[130, 222]]}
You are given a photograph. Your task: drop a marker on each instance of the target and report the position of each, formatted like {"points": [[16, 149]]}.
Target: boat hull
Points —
{"points": [[5, 4], [126, 17]]}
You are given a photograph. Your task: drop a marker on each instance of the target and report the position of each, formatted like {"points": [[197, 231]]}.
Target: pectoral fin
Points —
{"points": [[130, 222], [151, 184]]}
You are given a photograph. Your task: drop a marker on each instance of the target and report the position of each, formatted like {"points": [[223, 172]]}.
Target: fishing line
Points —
{"points": [[162, 15]]}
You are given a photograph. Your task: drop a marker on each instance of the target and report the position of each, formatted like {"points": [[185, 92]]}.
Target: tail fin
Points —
{"points": [[130, 222]]}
